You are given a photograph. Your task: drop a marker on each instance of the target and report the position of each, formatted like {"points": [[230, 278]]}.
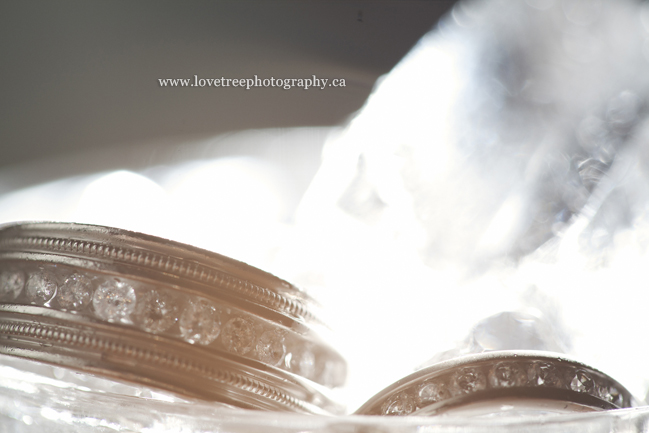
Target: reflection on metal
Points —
{"points": [[505, 157], [501, 378], [162, 314]]}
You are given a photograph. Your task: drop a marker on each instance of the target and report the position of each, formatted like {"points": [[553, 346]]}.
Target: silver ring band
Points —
{"points": [[490, 375], [139, 308]]}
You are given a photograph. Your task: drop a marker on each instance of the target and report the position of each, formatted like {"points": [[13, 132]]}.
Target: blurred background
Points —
{"points": [[83, 76], [493, 160], [87, 134]]}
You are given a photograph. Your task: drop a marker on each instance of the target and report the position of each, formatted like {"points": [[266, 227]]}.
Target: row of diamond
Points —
{"points": [[284, 298], [209, 371], [506, 374], [163, 311]]}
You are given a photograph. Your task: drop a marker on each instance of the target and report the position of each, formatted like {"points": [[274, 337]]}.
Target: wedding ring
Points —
{"points": [[139, 308], [529, 382]]}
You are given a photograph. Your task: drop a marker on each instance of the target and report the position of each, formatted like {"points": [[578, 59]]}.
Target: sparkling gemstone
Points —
{"points": [[40, 287], [400, 404], [156, 310], [301, 361], [75, 292], [469, 379], [582, 382], [506, 375], [610, 394], [238, 335], [432, 392], [11, 284], [271, 348], [200, 322], [545, 374], [333, 374], [114, 301]]}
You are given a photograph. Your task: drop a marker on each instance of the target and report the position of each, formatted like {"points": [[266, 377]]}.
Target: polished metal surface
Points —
{"points": [[506, 375], [138, 308]]}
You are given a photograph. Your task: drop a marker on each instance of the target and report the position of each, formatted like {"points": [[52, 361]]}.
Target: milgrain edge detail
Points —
{"points": [[45, 333], [70, 332], [164, 263]]}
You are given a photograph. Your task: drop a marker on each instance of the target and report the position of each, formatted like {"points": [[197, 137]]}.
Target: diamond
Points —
{"points": [[469, 379], [114, 301], [506, 375], [545, 374], [11, 284], [238, 335], [611, 394], [271, 348], [75, 292], [333, 374], [200, 322], [400, 404], [156, 311], [432, 392], [301, 362], [582, 382], [41, 287]]}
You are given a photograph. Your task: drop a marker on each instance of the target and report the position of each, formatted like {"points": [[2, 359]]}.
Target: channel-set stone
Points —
{"points": [[114, 301], [302, 361], [11, 284], [432, 392], [40, 287], [582, 382], [270, 347], [200, 322], [156, 310], [507, 375], [238, 335], [75, 292], [545, 374], [400, 404], [610, 394], [469, 379]]}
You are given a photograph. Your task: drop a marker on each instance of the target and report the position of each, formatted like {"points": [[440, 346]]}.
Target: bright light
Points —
{"points": [[123, 199]]}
